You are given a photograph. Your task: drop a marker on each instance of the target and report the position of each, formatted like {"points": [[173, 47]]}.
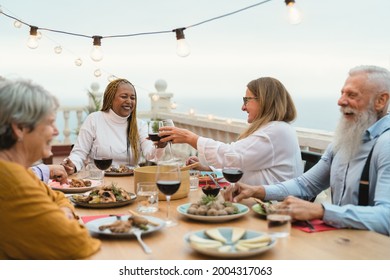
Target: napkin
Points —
{"points": [[318, 225], [87, 219]]}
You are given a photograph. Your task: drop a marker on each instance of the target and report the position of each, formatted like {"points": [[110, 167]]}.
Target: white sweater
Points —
{"points": [[271, 154], [107, 129]]}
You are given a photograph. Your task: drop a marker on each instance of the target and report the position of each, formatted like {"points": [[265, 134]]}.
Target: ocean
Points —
{"points": [[313, 113]]}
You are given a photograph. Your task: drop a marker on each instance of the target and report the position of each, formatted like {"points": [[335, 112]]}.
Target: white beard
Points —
{"points": [[348, 134]]}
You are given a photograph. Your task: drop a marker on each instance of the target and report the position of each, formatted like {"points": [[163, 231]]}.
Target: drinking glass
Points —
{"points": [[102, 157], [232, 168], [168, 122], [168, 180], [153, 127]]}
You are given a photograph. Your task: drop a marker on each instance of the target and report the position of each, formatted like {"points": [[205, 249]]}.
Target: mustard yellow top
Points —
{"points": [[32, 225]]}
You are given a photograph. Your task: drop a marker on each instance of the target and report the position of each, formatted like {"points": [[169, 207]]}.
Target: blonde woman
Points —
{"points": [[115, 126], [269, 146]]}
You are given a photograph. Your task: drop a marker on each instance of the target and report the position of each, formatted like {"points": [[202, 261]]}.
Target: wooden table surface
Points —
{"points": [[168, 243]]}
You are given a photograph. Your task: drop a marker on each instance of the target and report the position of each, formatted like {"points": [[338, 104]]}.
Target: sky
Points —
{"points": [[311, 58]]}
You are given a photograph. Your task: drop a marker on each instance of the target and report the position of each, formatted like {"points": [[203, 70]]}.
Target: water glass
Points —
{"points": [[194, 179], [94, 173], [279, 221], [147, 197]]}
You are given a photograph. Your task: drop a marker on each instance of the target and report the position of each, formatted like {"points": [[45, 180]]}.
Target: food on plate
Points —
{"points": [[215, 234], [237, 234], [72, 183], [265, 206], [104, 194], [210, 206], [221, 243], [124, 226], [119, 169]]}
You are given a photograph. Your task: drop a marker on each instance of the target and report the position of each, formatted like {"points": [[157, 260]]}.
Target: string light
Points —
{"points": [[58, 49], [78, 62], [32, 41], [173, 105], [294, 15], [182, 48], [155, 97], [96, 53], [97, 73], [17, 24]]}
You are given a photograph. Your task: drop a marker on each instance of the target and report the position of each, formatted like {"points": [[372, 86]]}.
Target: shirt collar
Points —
{"points": [[377, 128], [116, 118]]}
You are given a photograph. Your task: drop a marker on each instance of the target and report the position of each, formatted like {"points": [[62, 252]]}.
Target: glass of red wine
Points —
{"points": [[102, 157], [153, 127], [168, 180], [231, 169], [168, 122]]}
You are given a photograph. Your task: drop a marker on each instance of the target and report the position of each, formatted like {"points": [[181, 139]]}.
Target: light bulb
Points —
{"points": [[97, 73], [173, 105], [96, 53], [58, 49], [210, 117], [78, 62], [229, 121], [182, 47], [293, 13], [155, 97], [17, 24], [192, 112], [32, 41]]}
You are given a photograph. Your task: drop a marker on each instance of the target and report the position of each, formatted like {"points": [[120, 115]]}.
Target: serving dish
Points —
{"points": [[230, 249], [242, 209], [93, 226], [54, 185], [105, 204]]}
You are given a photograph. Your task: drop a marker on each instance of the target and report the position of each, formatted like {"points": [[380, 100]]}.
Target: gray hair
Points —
{"points": [[24, 103], [378, 75]]}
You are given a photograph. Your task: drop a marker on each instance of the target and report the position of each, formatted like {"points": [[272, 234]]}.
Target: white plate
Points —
{"points": [[102, 205], [243, 209], [227, 233], [94, 184], [93, 226]]}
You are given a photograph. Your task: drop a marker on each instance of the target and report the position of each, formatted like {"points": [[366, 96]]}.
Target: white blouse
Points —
{"points": [[107, 129], [271, 154]]}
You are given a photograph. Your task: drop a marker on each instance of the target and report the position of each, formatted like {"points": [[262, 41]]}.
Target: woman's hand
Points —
{"points": [[58, 173], [194, 159], [69, 166]]}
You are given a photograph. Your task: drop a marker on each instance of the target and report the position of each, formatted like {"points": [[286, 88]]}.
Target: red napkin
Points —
{"points": [[87, 219], [318, 225], [210, 183]]}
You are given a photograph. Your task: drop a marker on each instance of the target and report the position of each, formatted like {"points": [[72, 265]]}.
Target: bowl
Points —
{"points": [[211, 190], [148, 174]]}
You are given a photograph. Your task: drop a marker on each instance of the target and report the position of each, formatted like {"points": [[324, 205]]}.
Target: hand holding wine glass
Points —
{"points": [[232, 168], [153, 127], [168, 180], [168, 122]]}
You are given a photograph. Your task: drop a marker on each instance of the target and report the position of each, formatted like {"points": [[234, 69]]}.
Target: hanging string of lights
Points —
{"points": [[182, 49]]}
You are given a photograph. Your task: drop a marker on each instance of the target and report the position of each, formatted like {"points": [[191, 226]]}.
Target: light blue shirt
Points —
{"points": [[42, 171], [343, 178]]}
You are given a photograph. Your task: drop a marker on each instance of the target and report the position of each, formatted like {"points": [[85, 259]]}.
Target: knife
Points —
{"points": [[213, 179]]}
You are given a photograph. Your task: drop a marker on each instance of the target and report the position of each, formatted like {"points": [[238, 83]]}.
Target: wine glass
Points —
{"points": [[168, 180], [102, 157], [231, 169], [168, 122], [153, 127]]}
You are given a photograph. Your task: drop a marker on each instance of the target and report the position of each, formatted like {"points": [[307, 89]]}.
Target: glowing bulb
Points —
{"points": [[192, 112], [294, 15], [78, 62], [17, 24], [210, 117], [96, 53], [155, 97], [173, 105], [228, 121], [97, 73], [32, 41], [58, 49], [182, 47]]}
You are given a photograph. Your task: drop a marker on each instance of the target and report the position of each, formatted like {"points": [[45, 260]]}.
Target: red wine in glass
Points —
{"points": [[168, 187], [103, 163], [154, 137], [232, 175]]}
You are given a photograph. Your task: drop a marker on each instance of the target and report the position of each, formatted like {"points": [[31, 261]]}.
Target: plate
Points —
{"points": [[93, 226], [55, 186], [243, 209], [119, 174], [105, 205], [259, 210], [227, 233]]}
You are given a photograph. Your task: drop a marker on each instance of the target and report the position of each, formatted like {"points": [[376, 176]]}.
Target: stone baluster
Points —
{"points": [[66, 127]]}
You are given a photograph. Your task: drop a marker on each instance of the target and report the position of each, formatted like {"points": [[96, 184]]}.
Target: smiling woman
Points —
{"points": [[27, 115]]}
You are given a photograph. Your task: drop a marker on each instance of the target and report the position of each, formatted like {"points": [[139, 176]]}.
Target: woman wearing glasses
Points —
{"points": [[269, 146]]}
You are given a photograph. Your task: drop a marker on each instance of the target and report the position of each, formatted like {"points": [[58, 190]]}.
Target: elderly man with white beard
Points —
{"points": [[362, 135]]}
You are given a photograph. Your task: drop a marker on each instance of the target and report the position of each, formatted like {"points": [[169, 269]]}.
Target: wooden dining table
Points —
{"points": [[168, 243]]}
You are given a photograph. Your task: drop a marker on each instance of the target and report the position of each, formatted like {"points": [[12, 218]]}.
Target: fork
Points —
{"points": [[137, 234]]}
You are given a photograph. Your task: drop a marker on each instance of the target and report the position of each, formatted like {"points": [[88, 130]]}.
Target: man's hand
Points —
{"points": [[69, 166], [303, 210]]}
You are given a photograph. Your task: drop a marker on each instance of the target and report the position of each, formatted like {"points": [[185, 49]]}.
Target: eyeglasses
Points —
{"points": [[246, 99]]}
